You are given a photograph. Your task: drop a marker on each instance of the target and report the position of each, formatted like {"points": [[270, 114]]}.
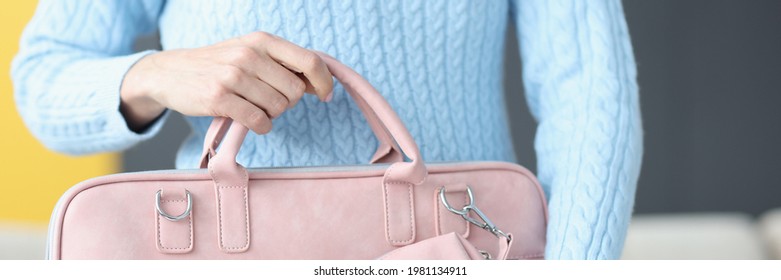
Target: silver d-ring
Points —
{"points": [[168, 216], [465, 210]]}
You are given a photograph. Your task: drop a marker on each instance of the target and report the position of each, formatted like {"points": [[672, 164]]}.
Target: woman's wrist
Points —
{"points": [[136, 104]]}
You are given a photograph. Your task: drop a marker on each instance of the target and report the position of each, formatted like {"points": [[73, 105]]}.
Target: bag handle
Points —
{"points": [[398, 180], [382, 118], [387, 150]]}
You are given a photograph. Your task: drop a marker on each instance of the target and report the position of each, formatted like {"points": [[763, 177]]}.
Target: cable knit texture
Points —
{"points": [[437, 62]]}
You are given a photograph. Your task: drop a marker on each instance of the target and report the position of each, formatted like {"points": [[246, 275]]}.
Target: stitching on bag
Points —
{"points": [[440, 216], [411, 213], [245, 176], [437, 214], [466, 224], [160, 230], [219, 212], [246, 216]]}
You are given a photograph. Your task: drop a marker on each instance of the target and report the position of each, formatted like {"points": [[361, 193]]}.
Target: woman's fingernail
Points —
{"points": [[329, 97]]}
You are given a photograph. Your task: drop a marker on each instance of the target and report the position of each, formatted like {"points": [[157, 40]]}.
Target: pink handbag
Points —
{"points": [[394, 208]]}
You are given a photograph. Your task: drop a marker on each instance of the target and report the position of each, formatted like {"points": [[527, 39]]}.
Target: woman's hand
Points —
{"points": [[251, 79]]}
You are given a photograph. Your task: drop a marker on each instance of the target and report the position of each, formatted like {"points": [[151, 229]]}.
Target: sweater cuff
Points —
{"points": [[108, 101]]}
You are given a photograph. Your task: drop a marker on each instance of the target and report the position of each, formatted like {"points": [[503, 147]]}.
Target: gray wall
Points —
{"points": [[709, 76]]}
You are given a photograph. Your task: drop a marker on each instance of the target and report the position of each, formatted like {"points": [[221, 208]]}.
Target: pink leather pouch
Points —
{"points": [[391, 208], [450, 246]]}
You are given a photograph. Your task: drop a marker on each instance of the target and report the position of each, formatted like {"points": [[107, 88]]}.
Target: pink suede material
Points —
{"points": [[398, 198], [446, 221], [412, 172], [214, 135], [387, 150], [450, 246], [233, 218], [400, 177], [173, 237], [383, 120], [348, 213], [307, 215], [231, 189]]}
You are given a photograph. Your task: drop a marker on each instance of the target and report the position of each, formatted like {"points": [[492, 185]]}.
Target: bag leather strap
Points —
{"points": [[387, 149], [231, 183], [231, 179]]}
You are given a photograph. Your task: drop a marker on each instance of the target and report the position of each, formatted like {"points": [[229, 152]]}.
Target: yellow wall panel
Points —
{"points": [[32, 178]]}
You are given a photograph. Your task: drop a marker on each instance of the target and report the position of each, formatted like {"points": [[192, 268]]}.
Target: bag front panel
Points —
{"points": [[297, 216]]}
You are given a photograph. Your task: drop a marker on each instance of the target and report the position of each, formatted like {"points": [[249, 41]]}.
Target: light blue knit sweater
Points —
{"points": [[437, 62]]}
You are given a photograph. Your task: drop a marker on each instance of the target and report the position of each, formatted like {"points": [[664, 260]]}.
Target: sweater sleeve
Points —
{"points": [[67, 75], [580, 80]]}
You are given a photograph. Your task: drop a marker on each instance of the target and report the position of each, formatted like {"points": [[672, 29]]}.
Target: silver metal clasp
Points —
{"points": [[483, 221], [169, 216]]}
